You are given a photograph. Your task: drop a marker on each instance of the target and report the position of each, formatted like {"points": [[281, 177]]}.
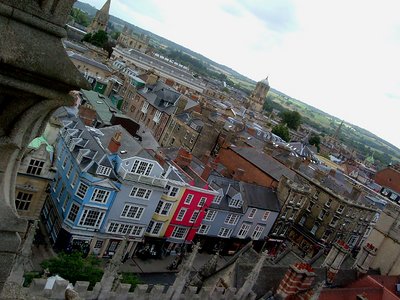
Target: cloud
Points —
{"points": [[277, 15]]}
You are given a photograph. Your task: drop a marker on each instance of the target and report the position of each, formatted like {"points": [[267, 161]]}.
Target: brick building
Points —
{"points": [[152, 104], [389, 177], [253, 166]]}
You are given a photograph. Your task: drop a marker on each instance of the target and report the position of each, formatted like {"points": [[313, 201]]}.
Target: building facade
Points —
{"points": [[313, 216], [106, 188]]}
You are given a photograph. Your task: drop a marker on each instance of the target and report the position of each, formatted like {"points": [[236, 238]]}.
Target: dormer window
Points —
{"points": [[102, 170], [237, 203], [141, 167], [217, 199]]}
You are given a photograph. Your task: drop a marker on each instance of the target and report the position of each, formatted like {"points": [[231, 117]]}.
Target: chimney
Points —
{"points": [[364, 258], [239, 174], [115, 142], [299, 277], [334, 259], [169, 82], [87, 114], [159, 156], [183, 158], [207, 171]]}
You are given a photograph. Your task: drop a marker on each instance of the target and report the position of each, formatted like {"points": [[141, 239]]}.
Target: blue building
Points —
{"points": [[106, 188], [242, 212]]}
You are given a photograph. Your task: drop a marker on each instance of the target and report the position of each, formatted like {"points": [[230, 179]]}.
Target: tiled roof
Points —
{"points": [[264, 162]]}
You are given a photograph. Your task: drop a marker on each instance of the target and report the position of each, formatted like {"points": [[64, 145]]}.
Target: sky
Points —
{"points": [[339, 56]]}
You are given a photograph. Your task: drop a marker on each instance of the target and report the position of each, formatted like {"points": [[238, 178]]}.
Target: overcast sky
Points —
{"points": [[339, 56]]}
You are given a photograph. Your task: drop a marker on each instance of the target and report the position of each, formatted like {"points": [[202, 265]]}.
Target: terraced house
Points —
{"points": [[106, 188], [319, 208], [241, 212]]}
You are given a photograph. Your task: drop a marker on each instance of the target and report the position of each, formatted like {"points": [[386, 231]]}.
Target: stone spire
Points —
{"points": [[111, 270], [205, 271], [23, 261], [175, 291], [100, 21], [247, 287]]}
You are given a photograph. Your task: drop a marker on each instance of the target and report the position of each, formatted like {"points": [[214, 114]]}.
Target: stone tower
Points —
{"points": [[257, 97], [100, 21]]}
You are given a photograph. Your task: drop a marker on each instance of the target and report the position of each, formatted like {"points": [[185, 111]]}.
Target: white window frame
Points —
{"points": [[203, 229], [86, 214], [181, 215], [210, 215], [252, 213], [257, 232], [194, 216], [163, 208], [157, 117], [225, 232], [265, 215], [217, 199], [154, 227], [133, 212], [232, 219], [171, 191], [188, 199], [102, 170], [79, 193], [237, 203], [244, 230], [100, 195], [202, 202], [139, 192], [142, 167], [179, 233], [73, 212]]}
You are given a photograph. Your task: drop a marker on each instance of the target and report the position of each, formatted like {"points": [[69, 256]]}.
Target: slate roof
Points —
{"points": [[128, 143], [260, 197], [161, 96], [264, 162], [88, 61], [230, 187]]}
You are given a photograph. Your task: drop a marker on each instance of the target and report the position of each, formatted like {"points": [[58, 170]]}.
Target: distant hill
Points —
{"points": [[158, 40], [362, 140]]}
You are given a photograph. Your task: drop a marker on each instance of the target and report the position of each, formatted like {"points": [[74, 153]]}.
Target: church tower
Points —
{"points": [[100, 21], [257, 97]]}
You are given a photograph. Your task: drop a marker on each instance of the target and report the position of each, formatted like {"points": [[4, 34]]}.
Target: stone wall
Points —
{"points": [[141, 292]]}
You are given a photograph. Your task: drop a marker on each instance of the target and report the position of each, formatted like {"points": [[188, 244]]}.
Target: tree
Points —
{"points": [[74, 267], [132, 279], [80, 17], [99, 38], [282, 131], [314, 140], [291, 118]]}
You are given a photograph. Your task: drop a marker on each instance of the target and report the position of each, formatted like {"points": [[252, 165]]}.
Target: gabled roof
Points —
{"points": [[264, 162]]}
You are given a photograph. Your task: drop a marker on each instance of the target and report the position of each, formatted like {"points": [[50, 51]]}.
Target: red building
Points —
{"points": [[389, 177], [196, 198], [189, 214]]}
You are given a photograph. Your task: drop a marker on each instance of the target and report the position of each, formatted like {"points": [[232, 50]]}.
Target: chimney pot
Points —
{"points": [[115, 142]]}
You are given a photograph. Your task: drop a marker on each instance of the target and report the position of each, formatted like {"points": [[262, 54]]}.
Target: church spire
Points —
{"points": [[100, 21]]}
